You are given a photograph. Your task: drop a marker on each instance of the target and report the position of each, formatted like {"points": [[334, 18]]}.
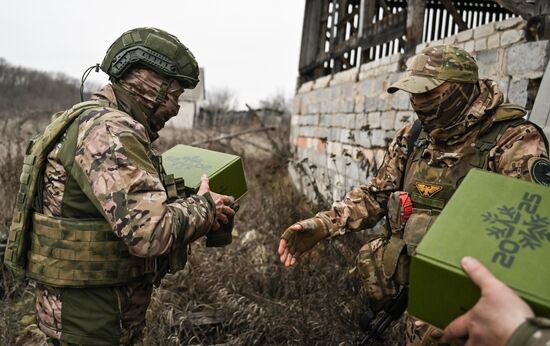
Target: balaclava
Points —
{"points": [[146, 87], [445, 109]]}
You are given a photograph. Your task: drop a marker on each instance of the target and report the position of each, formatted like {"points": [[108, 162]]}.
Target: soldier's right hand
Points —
{"points": [[223, 210], [299, 238]]}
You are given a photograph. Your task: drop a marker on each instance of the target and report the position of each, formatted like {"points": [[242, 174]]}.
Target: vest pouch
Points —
{"points": [[19, 236], [417, 225], [169, 183], [370, 269], [81, 253], [393, 251]]}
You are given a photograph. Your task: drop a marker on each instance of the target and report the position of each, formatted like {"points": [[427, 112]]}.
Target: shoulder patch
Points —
{"points": [[539, 169], [509, 111]]}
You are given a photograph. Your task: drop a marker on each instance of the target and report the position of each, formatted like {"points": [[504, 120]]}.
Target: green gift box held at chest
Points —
{"points": [[225, 171], [503, 222]]}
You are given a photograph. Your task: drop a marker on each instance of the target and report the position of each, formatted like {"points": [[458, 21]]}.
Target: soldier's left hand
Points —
{"points": [[224, 212], [496, 315]]}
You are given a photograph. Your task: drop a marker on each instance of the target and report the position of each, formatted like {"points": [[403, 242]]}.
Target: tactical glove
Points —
{"points": [[222, 236], [313, 230]]}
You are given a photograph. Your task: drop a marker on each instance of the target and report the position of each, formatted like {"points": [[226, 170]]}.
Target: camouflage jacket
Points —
{"points": [[362, 207], [113, 162]]}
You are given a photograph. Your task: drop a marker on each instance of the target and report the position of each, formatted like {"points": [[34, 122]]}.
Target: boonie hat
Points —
{"points": [[434, 66]]}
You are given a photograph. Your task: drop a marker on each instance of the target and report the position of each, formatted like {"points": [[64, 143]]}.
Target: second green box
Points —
{"points": [[501, 221]]}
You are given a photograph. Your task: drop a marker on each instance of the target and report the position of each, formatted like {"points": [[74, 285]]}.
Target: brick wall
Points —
{"points": [[341, 124]]}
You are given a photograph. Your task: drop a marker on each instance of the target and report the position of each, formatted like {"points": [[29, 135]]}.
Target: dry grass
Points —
{"points": [[240, 294], [247, 296], [17, 298]]}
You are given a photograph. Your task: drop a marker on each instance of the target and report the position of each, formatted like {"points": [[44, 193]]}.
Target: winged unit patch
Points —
{"points": [[428, 190]]}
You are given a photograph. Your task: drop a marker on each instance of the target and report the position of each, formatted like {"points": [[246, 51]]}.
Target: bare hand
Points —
{"points": [[284, 255], [223, 210], [496, 315]]}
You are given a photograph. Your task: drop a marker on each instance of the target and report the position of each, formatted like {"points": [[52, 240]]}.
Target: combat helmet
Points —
{"points": [[436, 65], [154, 49]]}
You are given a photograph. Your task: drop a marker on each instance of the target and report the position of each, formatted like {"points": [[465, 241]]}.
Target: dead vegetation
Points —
{"points": [[242, 294], [238, 295]]}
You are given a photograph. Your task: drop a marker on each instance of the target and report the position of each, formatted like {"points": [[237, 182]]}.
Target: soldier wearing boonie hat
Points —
{"points": [[434, 66], [463, 123]]}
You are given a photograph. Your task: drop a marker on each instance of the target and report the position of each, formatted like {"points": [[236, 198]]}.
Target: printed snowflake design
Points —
{"points": [[534, 232], [509, 222]]}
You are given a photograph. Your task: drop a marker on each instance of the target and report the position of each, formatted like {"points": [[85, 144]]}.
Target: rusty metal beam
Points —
{"points": [[521, 7], [415, 24], [448, 4], [311, 32]]}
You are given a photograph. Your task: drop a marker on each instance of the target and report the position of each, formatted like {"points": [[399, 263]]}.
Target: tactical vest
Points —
{"points": [[431, 187], [66, 252]]}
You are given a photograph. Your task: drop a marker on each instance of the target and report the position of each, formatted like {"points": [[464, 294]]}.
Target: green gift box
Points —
{"points": [[501, 221], [225, 171]]}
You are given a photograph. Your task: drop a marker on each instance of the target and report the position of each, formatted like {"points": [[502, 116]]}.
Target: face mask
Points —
{"points": [[168, 109], [446, 108], [144, 85]]}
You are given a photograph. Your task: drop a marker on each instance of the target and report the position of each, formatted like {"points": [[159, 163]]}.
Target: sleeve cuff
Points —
{"points": [[525, 331], [210, 202]]}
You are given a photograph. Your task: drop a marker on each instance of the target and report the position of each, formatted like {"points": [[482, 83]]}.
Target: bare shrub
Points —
{"points": [[241, 294], [278, 101], [27, 90], [221, 101], [16, 304]]}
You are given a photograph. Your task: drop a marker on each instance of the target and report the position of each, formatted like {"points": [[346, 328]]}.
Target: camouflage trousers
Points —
{"points": [[369, 267]]}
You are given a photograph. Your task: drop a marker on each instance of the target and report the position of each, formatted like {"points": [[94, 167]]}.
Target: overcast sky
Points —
{"points": [[249, 46]]}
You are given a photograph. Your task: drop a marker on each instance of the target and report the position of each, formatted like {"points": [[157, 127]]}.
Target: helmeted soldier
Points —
{"points": [[463, 123], [97, 221]]}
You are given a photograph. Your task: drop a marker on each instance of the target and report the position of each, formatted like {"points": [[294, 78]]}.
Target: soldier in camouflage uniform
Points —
{"points": [[464, 124], [104, 223]]}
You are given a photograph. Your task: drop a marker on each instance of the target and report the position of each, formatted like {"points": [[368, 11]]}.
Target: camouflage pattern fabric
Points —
{"points": [[126, 188], [475, 120], [514, 151], [364, 212], [444, 108], [370, 270], [533, 332], [362, 207], [132, 318], [435, 65], [55, 179], [48, 310], [113, 162], [143, 86]]}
